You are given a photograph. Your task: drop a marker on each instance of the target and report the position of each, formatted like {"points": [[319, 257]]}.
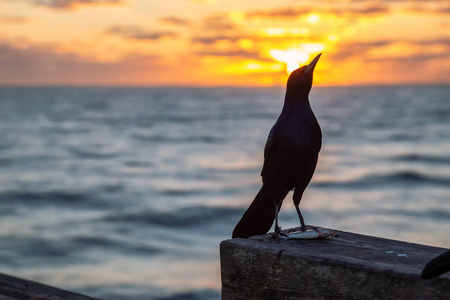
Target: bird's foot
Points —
{"points": [[278, 233]]}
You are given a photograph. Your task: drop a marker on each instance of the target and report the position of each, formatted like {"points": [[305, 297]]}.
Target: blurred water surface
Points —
{"points": [[126, 193]]}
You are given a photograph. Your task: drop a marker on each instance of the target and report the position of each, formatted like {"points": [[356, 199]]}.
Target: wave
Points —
{"points": [[91, 153], [208, 139], [88, 199], [428, 214], [388, 180], [185, 217], [25, 251], [86, 242], [173, 192], [4, 162], [423, 158]]}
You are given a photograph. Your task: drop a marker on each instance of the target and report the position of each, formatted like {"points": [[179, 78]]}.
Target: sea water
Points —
{"points": [[126, 193]]}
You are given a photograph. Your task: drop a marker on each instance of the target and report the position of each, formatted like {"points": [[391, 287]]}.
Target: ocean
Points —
{"points": [[126, 193]]}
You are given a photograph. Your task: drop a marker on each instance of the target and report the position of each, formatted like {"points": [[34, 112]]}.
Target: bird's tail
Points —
{"points": [[259, 216]]}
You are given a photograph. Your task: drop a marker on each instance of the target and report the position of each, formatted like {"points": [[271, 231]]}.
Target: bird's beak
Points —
{"points": [[310, 67]]}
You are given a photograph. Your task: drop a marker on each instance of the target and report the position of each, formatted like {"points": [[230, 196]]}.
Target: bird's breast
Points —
{"points": [[304, 134]]}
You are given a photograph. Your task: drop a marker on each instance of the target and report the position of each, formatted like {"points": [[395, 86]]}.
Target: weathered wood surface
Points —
{"points": [[16, 288], [348, 266]]}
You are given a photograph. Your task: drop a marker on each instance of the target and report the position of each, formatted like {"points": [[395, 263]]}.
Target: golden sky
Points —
{"points": [[222, 42]]}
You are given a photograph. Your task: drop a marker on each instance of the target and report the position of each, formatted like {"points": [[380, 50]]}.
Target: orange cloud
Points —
{"points": [[295, 12], [231, 44], [137, 33], [176, 21], [46, 65], [389, 50], [71, 4], [233, 53], [14, 19]]}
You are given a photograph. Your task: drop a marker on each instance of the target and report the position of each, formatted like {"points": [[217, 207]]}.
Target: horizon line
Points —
{"points": [[130, 85]]}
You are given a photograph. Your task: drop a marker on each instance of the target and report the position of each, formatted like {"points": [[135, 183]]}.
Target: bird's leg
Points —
{"points": [[302, 221], [297, 197], [277, 228], [278, 232]]}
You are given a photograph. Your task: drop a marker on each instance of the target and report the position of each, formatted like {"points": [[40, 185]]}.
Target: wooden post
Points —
{"points": [[16, 288], [348, 266]]}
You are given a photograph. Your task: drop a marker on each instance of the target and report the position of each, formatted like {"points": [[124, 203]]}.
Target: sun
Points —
{"points": [[291, 57], [295, 57], [291, 66]]}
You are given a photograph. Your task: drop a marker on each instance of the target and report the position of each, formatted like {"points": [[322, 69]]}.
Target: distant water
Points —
{"points": [[126, 193]]}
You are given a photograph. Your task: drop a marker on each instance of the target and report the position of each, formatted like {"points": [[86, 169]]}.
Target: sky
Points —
{"points": [[222, 42]]}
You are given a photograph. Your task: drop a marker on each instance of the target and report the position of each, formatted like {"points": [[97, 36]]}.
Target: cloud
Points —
{"points": [[232, 53], [289, 12], [45, 65], [428, 10], [137, 33], [395, 51], [214, 29], [14, 19], [175, 21], [356, 49], [442, 41], [278, 13], [218, 22], [71, 4], [209, 40], [380, 1], [412, 59], [410, 6], [369, 10]]}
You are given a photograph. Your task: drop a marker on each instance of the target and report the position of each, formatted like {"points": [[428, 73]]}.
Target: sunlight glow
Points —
{"points": [[237, 16], [273, 32], [291, 66], [245, 43], [252, 67], [292, 58], [313, 18], [289, 55], [333, 38], [212, 42], [284, 32], [313, 47]]}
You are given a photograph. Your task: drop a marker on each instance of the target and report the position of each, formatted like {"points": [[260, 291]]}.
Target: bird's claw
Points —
{"points": [[278, 233]]}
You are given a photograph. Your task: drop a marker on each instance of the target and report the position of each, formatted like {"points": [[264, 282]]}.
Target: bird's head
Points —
{"points": [[300, 80]]}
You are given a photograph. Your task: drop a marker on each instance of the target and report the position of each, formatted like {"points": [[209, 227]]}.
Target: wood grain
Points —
{"points": [[348, 266]]}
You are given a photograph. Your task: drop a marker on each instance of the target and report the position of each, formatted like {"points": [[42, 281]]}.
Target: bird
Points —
{"points": [[290, 158], [437, 266]]}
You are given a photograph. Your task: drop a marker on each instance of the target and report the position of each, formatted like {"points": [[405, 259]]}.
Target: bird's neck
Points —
{"points": [[296, 101]]}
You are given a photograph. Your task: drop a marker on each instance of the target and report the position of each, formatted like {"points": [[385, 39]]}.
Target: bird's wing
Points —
{"points": [[269, 150]]}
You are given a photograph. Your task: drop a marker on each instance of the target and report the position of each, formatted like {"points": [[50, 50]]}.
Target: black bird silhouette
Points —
{"points": [[437, 266], [290, 157]]}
